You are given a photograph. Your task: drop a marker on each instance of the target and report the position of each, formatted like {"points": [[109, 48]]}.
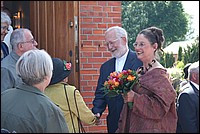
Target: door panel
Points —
{"points": [[53, 26]]}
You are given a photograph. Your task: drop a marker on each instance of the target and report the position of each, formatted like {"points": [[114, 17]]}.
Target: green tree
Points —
{"points": [[167, 15], [192, 53], [180, 51], [168, 60], [162, 59]]}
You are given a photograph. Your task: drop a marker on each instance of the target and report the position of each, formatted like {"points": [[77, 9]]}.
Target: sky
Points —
{"points": [[192, 8]]}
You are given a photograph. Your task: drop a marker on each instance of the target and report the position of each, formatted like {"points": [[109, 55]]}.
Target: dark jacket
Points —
{"points": [[188, 110], [4, 48], [115, 103]]}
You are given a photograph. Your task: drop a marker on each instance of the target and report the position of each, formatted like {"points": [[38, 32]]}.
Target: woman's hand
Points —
{"points": [[125, 98], [130, 96]]}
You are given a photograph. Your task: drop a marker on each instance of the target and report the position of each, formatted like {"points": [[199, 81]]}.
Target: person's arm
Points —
{"points": [[187, 114], [83, 111], [7, 79], [99, 102]]}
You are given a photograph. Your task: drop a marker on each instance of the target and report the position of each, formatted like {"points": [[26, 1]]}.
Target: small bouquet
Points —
{"points": [[120, 83]]}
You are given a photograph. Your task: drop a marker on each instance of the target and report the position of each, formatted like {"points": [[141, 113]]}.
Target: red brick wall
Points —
{"points": [[95, 18]]}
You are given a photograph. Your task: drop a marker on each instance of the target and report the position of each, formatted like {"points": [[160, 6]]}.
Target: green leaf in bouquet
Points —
{"points": [[128, 84], [112, 93]]}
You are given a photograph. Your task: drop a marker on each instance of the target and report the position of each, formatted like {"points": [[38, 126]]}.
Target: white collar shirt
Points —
{"points": [[119, 63], [196, 85]]}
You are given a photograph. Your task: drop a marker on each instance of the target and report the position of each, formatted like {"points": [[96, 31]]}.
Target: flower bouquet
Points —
{"points": [[120, 83]]}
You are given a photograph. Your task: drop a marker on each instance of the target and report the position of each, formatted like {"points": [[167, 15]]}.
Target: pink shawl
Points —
{"points": [[154, 108]]}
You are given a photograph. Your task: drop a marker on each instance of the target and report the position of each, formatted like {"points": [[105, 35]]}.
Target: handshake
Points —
{"points": [[97, 122]]}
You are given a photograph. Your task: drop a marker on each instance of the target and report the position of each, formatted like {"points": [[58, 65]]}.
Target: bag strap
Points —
{"points": [[69, 108], [80, 126], [79, 121]]}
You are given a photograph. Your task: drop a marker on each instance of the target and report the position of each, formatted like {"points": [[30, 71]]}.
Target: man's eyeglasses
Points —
{"points": [[111, 42], [5, 28], [32, 41]]}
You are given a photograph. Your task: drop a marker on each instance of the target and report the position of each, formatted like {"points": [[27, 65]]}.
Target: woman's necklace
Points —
{"points": [[142, 69]]}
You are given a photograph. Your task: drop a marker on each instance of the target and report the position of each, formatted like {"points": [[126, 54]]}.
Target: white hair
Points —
{"points": [[17, 36], [5, 18], [194, 68], [33, 66], [120, 32]]}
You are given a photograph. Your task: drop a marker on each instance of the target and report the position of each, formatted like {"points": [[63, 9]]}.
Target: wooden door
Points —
{"points": [[55, 27]]}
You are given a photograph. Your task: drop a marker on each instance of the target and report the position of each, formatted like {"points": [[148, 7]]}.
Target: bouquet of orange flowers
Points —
{"points": [[120, 82]]}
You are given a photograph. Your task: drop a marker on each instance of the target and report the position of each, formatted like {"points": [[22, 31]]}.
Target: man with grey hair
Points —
{"points": [[25, 108], [22, 41], [188, 103], [123, 58], [5, 22]]}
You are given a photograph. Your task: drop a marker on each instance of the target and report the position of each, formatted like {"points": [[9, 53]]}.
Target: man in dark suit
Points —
{"points": [[123, 59], [188, 103]]}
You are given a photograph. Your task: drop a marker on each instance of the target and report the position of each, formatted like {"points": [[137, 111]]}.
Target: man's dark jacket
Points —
{"points": [[115, 104]]}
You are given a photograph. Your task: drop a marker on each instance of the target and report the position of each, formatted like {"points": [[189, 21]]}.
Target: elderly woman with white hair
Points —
{"points": [[5, 22], [26, 109]]}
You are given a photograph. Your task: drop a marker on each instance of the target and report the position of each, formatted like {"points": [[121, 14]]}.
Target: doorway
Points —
{"points": [[54, 25]]}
